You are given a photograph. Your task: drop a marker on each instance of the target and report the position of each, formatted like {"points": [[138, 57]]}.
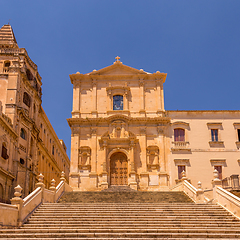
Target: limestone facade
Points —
{"points": [[28, 142], [122, 135]]}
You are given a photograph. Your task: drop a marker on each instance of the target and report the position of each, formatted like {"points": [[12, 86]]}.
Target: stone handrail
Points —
{"points": [[228, 200], [21, 209], [59, 190], [195, 194], [9, 215]]}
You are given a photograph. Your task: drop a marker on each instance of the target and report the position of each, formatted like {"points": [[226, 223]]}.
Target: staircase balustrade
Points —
{"points": [[21, 209]]}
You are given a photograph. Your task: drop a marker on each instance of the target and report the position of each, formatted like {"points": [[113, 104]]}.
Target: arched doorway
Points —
{"points": [[118, 169]]}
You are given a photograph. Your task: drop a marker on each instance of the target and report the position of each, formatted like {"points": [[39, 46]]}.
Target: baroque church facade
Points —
{"points": [[122, 134], [28, 143]]}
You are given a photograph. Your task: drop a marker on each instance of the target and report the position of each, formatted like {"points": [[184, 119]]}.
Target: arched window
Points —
{"points": [[23, 134], [118, 102], [26, 99], [4, 151], [22, 161], [179, 135]]}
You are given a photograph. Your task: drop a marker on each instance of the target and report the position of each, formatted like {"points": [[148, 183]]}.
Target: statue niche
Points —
{"points": [[84, 161], [152, 157]]}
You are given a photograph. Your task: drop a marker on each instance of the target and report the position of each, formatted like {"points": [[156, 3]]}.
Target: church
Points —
{"points": [[123, 136]]}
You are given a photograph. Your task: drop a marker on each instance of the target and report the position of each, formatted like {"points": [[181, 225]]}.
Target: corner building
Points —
{"points": [[28, 142], [122, 135]]}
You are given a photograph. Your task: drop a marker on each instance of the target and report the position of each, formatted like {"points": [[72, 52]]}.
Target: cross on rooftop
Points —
{"points": [[117, 58]]}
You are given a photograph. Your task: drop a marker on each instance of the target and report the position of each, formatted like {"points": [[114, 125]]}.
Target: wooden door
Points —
{"points": [[119, 169]]}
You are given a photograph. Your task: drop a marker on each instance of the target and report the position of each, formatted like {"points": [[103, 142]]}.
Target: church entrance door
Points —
{"points": [[119, 169]]}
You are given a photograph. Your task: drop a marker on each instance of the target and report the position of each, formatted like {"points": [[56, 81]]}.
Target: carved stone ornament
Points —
{"points": [[118, 130], [153, 157], [84, 162]]}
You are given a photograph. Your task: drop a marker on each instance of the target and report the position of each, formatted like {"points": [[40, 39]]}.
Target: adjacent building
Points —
{"points": [[122, 134], [28, 142]]}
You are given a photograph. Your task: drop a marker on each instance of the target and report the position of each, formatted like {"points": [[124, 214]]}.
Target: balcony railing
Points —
{"points": [[231, 182], [180, 145]]}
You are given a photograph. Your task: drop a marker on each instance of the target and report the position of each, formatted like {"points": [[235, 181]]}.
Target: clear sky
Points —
{"points": [[196, 42]]}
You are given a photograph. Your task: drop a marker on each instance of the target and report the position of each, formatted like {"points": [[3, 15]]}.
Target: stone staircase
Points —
{"points": [[107, 217]]}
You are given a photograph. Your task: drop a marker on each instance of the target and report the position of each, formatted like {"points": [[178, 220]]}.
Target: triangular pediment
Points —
{"points": [[117, 68]]}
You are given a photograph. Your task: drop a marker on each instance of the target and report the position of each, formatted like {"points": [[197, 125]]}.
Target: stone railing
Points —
{"points": [[21, 209], [196, 194], [216, 195], [180, 144], [231, 182], [228, 200]]}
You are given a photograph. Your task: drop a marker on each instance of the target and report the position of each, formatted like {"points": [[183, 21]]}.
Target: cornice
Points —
{"points": [[154, 76], [108, 120], [7, 173], [8, 127]]}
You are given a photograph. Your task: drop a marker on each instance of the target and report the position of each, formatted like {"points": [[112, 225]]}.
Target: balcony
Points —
{"points": [[181, 146]]}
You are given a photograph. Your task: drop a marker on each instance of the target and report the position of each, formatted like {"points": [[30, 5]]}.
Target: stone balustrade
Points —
{"points": [[20, 210]]}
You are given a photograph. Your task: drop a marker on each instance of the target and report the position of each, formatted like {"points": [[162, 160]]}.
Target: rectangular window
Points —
{"points": [[219, 169], [214, 134], [179, 135], [238, 131], [181, 168], [4, 152]]}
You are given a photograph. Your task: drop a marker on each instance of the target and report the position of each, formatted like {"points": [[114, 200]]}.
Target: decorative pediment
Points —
{"points": [[117, 69]]}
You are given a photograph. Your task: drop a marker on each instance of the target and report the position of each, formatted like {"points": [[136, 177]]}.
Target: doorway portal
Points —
{"points": [[118, 169]]}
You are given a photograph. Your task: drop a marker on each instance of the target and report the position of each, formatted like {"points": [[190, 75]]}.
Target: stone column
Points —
{"points": [[76, 99], [159, 96], [132, 175], [144, 175], [142, 97], [94, 93], [74, 171], [93, 174], [104, 174]]}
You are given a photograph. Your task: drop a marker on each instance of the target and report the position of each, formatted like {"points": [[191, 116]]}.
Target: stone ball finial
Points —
{"points": [[52, 187], [18, 190], [215, 174], [40, 178], [183, 174], [63, 176], [199, 185], [53, 182]]}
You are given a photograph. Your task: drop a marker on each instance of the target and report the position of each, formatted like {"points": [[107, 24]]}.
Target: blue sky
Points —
{"points": [[196, 42]]}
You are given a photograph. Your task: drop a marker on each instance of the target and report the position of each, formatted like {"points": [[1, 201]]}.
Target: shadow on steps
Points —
{"points": [[125, 197]]}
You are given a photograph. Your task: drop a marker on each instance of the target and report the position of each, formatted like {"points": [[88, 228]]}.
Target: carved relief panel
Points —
{"points": [[84, 161], [152, 157], [118, 129]]}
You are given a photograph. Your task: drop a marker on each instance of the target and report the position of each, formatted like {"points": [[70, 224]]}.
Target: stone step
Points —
{"points": [[142, 212], [148, 226], [126, 238], [122, 230], [169, 221], [123, 235]]}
